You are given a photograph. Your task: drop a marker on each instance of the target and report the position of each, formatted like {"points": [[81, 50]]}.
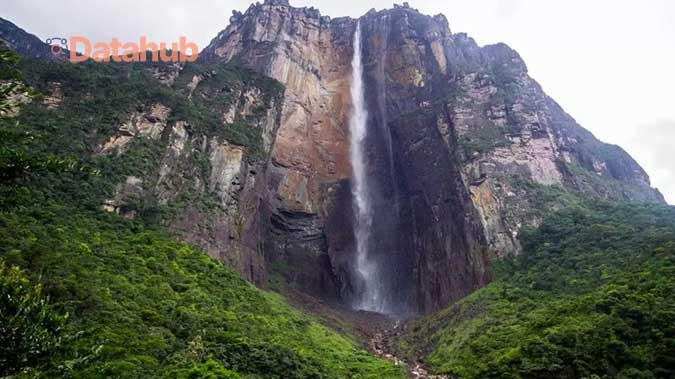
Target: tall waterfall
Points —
{"points": [[370, 296]]}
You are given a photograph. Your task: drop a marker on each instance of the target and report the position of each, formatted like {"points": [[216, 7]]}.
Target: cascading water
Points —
{"points": [[370, 296]]}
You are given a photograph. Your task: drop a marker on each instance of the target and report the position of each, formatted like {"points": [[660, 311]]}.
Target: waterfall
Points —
{"points": [[370, 296]]}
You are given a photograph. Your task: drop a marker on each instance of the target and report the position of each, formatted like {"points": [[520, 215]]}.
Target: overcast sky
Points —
{"points": [[609, 63]]}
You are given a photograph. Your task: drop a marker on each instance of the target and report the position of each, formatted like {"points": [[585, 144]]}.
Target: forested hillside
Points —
{"points": [[86, 293], [590, 297]]}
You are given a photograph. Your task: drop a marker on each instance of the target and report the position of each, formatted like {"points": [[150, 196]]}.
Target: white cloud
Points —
{"points": [[653, 144]]}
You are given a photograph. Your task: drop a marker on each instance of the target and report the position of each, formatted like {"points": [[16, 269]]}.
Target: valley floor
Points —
{"points": [[375, 331]]}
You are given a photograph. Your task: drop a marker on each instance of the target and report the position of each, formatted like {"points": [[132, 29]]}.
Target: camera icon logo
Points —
{"points": [[57, 44]]}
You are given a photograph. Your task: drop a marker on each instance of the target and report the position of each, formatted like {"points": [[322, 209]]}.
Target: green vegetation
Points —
{"points": [[96, 99], [219, 87], [10, 77], [88, 294], [534, 201], [482, 140], [590, 297], [606, 185], [30, 329], [142, 305]]}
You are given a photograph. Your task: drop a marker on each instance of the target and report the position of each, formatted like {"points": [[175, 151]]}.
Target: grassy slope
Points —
{"points": [[591, 297], [141, 304]]}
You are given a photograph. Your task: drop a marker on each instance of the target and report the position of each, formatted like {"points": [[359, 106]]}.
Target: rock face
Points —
{"points": [[309, 168], [214, 192], [458, 136], [451, 126]]}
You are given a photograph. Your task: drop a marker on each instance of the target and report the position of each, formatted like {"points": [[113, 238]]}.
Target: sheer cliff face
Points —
{"points": [[425, 226], [309, 171], [452, 128]]}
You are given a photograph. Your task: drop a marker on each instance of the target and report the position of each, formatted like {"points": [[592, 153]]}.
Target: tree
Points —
{"points": [[11, 81], [29, 328]]}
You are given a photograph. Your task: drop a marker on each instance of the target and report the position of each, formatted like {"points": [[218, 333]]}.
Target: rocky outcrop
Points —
{"points": [[16, 95], [54, 96], [209, 191], [150, 124], [509, 128]]}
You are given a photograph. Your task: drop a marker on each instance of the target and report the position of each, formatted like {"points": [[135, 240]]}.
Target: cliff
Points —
{"points": [[246, 152], [454, 130]]}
